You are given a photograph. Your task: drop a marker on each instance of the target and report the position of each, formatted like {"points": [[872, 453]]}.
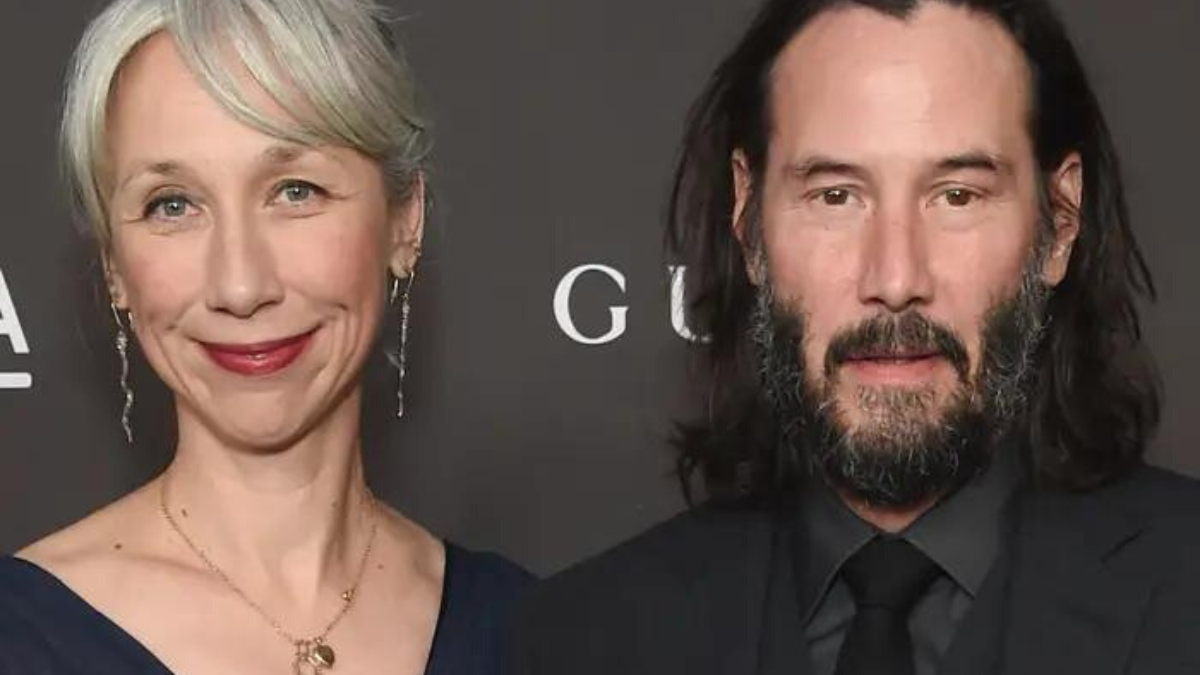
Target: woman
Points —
{"points": [[252, 171]]}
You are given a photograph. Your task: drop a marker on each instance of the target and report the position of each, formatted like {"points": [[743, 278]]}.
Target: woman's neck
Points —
{"points": [[294, 521]]}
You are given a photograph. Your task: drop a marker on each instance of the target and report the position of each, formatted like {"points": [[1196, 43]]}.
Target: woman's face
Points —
{"points": [[253, 269]]}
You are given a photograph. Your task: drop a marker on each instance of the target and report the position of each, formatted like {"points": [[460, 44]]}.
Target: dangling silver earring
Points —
{"points": [[123, 352], [401, 360]]}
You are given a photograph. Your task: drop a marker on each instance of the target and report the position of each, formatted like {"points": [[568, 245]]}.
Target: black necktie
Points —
{"points": [[886, 577]]}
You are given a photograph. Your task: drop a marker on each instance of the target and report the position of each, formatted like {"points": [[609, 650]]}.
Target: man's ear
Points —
{"points": [[1066, 205], [743, 190], [406, 228]]}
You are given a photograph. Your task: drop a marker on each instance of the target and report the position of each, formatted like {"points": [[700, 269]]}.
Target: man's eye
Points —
{"points": [[959, 198], [835, 197]]}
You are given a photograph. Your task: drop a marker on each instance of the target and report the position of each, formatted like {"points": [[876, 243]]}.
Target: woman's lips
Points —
{"points": [[262, 358]]}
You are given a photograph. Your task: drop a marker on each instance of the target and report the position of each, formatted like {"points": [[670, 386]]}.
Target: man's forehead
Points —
{"points": [[858, 77]]}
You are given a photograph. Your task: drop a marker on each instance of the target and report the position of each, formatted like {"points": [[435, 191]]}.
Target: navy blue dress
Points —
{"points": [[46, 629]]}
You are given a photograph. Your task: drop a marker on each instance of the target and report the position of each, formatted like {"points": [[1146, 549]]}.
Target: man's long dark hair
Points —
{"points": [[1097, 394]]}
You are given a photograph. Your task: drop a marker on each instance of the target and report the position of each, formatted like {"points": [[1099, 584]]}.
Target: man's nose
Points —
{"points": [[895, 271]]}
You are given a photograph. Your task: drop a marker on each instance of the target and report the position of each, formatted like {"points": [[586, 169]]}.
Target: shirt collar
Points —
{"points": [[825, 534], [962, 533]]}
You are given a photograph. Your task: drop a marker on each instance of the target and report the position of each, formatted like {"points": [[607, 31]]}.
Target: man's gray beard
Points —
{"points": [[906, 450]]}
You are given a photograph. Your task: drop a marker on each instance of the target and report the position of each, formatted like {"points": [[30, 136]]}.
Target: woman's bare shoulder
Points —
{"points": [[88, 547], [419, 552]]}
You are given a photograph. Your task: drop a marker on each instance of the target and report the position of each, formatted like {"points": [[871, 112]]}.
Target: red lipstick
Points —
{"points": [[261, 358]]}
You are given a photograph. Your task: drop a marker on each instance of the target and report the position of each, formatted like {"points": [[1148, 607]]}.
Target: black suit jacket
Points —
{"points": [[1099, 583]]}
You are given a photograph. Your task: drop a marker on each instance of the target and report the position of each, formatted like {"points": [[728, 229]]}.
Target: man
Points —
{"points": [[907, 241]]}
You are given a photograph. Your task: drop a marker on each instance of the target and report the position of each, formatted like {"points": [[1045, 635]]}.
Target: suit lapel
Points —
{"points": [[738, 600], [1075, 606], [782, 646]]}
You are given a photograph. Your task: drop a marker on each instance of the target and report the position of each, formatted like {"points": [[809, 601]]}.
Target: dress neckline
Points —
{"points": [[65, 597]]}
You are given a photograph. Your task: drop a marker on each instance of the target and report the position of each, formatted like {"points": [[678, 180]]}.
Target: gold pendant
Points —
{"points": [[313, 657]]}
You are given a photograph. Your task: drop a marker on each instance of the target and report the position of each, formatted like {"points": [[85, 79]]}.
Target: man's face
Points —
{"points": [[898, 212]]}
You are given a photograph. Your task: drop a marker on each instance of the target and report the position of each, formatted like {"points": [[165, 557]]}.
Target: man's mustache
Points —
{"points": [[907, 335]]}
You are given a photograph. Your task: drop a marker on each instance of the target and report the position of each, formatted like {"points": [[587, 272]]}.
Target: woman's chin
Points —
{"points": [[266, 429], [268, 418]]}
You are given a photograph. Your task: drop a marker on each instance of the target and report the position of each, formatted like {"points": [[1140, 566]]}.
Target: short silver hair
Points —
{"points": [[332, 64]]}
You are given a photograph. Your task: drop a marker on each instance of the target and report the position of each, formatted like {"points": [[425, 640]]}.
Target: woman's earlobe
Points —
{"points": [[116, 286], [404, 266], [407, 224]]}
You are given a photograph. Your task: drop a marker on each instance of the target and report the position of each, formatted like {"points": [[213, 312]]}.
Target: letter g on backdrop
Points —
{"points": [[562, 306], [617, 314]]}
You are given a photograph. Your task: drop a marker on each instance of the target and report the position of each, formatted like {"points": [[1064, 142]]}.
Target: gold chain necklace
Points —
{"points": [[313, 655]]}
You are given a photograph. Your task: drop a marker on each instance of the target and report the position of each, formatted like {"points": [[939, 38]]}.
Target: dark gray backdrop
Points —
{"points": [[557, 122]]}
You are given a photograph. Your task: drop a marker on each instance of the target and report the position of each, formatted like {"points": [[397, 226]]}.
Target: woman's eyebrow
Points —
{"points": [[282, 154], [166, 168]]}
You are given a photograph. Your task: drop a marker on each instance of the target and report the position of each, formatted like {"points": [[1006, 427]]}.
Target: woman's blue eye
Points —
{"points": [[169, 206], [298, 192]]}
